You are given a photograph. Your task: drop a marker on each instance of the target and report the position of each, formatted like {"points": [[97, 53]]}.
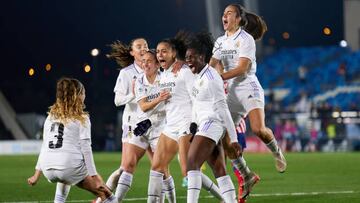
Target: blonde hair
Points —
{"points": [[69, 104]]}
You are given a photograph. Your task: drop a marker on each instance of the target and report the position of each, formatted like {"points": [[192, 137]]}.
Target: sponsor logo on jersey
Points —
{"points": [[194, 91], [152, 96]]}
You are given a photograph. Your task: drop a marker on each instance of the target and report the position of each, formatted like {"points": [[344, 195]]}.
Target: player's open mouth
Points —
{"points": [[190, 65], [225, 22]]}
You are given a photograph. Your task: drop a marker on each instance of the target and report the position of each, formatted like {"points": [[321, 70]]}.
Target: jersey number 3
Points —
{"points": [[58, 136]]}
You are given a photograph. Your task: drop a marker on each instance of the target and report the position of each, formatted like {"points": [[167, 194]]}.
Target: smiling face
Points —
{"points": [[194, 60], [150, 64], [231, 19], [165, 54], [138, 49]]}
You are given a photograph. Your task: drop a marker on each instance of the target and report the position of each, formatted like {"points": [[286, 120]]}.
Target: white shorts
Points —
{"points": [[245, 98], [149, 139], [127, 132], [211, 129], [176, 131], [70, 176]]}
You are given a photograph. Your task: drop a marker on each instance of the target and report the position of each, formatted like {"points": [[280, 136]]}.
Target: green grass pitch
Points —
{"points": [[310, 177]]}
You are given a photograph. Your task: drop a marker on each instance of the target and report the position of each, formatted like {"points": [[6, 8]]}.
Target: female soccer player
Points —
{"points": [[66, 154], [151, 103], [235, 52], [177, 80], [130, 58], [211, 112]]}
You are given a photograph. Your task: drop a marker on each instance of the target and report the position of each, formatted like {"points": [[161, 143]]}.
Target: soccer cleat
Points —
{"points": [[241, 191], [249, 183], [280, 161]]}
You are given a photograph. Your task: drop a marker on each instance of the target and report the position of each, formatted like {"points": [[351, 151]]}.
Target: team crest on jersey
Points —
{"points": [[201, 83], [237, 44]]}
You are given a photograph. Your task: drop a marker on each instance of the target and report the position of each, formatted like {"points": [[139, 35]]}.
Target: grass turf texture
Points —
{"points": [[335, 176]]}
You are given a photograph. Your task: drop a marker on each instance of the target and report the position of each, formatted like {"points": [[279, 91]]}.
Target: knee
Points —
{"points": [[158, 166], [130, 166]]}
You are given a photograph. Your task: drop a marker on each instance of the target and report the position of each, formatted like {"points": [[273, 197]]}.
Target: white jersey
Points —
{"points": [[207, 90], [144, 89], [179, 84], [229, 49], [61, 143], [124, 95]]}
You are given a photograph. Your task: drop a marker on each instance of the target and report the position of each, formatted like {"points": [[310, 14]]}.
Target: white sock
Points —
{"points": [[194, 186], [111, 199], [155, 186], [273, 146], [240, 164], [62, 191], [124, 185], [162, 197], [169, 189], [227, 189], [210, 186]]}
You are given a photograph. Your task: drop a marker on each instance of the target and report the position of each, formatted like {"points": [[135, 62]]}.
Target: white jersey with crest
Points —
{"points": [[207, 90], [144, 89], [124, 95], [178, 106], [229, 49], [61, 143]]}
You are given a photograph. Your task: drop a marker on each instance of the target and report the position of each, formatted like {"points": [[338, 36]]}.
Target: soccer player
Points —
{"points": [[177, 80], [130, 59], [151, 112], [235, 52], [66, 155], [210, 111]]}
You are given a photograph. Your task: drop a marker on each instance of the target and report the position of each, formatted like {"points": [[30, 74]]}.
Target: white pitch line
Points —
{"points": [[209, 196]]}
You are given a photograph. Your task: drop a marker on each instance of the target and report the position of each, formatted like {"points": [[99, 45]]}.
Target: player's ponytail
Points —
{"points": [[120, 52], [252, 23], [255, 25]]}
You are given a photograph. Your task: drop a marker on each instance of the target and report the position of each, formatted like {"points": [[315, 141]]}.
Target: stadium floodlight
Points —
{"points": [[94, 52], [31, 72], [343, 43], [87, 68]]}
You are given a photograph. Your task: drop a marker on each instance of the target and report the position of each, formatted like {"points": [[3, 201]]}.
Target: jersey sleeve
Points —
{"points": [[247, 48], [139, 89], [189, 78], [85, 129], [122, 89], [216, 87], [216, 49]]}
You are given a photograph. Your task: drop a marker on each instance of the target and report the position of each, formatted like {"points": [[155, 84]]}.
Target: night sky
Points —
{"points": [[62, 33]]}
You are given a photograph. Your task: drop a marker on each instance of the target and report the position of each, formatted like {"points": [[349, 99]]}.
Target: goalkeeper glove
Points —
{"points": [[193, 130], [142, 127]]}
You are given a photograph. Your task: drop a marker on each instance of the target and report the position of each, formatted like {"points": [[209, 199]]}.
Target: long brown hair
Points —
{"points": [[69, 104], [252, 23], [120, 52]]}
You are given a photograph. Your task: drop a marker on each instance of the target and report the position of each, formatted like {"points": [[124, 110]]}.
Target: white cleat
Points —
{"points": [[280, 161]]}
